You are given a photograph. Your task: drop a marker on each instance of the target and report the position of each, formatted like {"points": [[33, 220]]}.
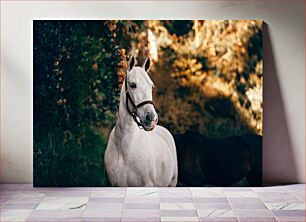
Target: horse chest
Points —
{"points": [[142, 168], [140, 164], [127, 173]]}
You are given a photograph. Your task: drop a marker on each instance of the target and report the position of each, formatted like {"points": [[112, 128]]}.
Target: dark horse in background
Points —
{"points": [[219, 162]]}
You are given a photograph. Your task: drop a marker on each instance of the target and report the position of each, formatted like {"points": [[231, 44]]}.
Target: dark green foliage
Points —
{"points": [[75, 91]]}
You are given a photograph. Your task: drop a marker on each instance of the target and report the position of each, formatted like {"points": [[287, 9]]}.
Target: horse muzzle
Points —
{"points": [[150, 121]]}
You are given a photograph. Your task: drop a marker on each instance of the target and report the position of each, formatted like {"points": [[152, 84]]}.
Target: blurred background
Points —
{"points": [[208, 77]]}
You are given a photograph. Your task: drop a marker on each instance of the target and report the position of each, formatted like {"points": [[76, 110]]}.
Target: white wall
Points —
{"points": [[284, 75]]}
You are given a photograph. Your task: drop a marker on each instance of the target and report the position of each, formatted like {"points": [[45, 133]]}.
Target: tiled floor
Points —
{"points": [[22, 202]]}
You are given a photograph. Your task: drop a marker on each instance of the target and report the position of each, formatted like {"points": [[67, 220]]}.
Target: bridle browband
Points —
{"points": [[133, 113]]}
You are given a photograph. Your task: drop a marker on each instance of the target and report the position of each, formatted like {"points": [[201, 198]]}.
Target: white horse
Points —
{"points": [[139, 152]]}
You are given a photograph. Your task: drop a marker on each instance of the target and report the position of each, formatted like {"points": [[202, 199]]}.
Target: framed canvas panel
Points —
{"points": [[148, 102]]}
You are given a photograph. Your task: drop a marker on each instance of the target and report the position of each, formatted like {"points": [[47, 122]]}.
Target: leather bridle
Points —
{"points": [[134, 113]]}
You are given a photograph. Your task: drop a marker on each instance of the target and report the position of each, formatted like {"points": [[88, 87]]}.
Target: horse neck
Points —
{"points": [[126, 129]]}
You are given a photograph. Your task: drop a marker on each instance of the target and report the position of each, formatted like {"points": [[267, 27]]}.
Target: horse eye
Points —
{"points": [[133, 85]]}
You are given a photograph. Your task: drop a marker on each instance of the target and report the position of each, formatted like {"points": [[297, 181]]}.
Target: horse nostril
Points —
{"points": [[149, 117]]}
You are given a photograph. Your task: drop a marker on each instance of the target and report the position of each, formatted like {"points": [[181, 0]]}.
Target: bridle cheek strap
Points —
{"points": [[134, 113]]}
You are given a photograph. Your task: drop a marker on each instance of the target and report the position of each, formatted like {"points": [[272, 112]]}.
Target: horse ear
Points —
{"points": [[146, 65], [132, 63]]}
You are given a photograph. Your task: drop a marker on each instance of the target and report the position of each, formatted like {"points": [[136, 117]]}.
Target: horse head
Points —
{"points": [[138, 88]]}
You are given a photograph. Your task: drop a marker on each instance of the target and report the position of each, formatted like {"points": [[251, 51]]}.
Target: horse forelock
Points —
{"points": [[138, 71]]}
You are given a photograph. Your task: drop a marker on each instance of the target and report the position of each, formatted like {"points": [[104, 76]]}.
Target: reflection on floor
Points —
{"points": [[22, 202]]}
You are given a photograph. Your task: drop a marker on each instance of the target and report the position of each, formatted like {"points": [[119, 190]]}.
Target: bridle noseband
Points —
{"points": [[133, 113]]}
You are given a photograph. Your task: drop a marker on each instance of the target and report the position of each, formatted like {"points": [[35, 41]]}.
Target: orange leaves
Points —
{"points": [[95, 67], [221, 59], [112, 25], [61, 102], [122, 66]]}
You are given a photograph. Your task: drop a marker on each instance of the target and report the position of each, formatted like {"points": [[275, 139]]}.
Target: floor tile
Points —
{"points": [[175, 192], [254, 219], [101, 219], [20, 206], [142, 192], [253, 213], [207, 192], [27, 187], [25, 194], [245, 200], [91, 205], [218, 219], [238, 189], [109, 193], [216, 213], [174, 189], [67, 193], [10, 186], [57, 213], [141, 206], [106, 200], [178, 213], [177, 206], [176, 200], [210, 200], [224, 205], [140, 219], [54, 219], [142, 213], [240, 194], [142, 200], [291, 219], [274, 197], [289, 213], [62, 203], [279, 189], [281, 200], [299, 194], [296, 187], [178, 219], [3, 200], [94, 189], [248, 206], [29, 200], [15, 214], [285, 206], [103, 212]]}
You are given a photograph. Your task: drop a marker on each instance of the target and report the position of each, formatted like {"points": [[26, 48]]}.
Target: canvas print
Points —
{"points": [[161, 103]]}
